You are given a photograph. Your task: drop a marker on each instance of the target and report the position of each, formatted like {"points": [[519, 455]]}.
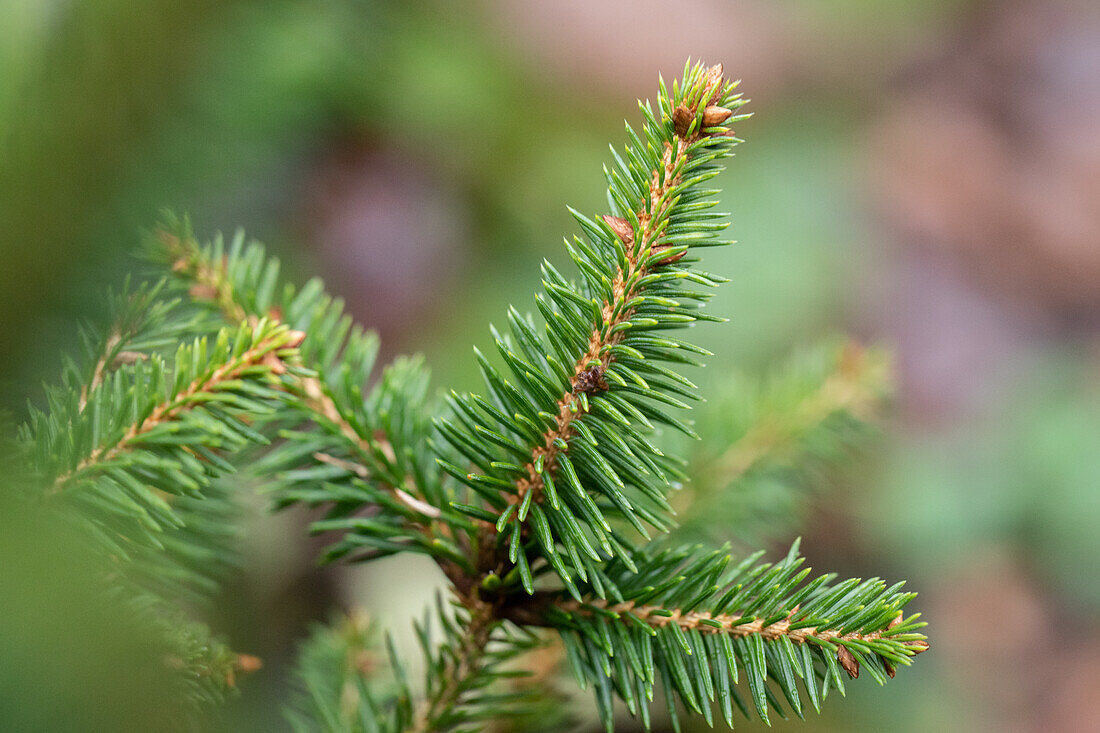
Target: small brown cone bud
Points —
{"points": [[889, 667], [670, 259], [681, 120], [848, 661], [621, 227], [715, 116], [591, 380], [714, 82], [203, 291], [249, 663], [714, 75], [918, 646], [295, 338], [852, 346]]}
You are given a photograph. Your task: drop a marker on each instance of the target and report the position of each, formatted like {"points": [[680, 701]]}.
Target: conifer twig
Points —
{"points": [[614, 310], [852, 387], [212, 283], [721, 623], [261, 352], [463, 665], [99, 370]]}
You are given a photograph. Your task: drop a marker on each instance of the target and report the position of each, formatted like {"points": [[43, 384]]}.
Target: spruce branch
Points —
{"points": [[770, 442], [589, 370], [565, 446], [210, 274], [345, 449], [456, 672], [853, 385], [266, 351], [524, 496], [118, 453], [132, 458], [689, 623]]}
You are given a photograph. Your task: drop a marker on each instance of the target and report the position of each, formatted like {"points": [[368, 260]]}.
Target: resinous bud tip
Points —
{"points": [[620, 226], [715, 116], [681, 120]]}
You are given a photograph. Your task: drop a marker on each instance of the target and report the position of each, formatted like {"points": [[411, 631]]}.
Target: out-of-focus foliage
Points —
{"points": [[768, 443]]}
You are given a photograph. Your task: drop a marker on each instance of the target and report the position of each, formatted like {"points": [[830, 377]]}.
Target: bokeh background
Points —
{"points": [[921, 175]]}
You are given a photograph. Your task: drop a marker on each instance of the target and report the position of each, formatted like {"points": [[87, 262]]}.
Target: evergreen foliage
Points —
{"points": [[547, 501], [769, 443]]}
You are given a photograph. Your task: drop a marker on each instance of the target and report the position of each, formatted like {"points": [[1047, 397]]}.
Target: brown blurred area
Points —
{"points": [[922, 175]]}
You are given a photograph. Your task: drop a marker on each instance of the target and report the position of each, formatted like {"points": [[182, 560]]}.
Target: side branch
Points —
{"points": [[212, 283], [545, 609], [852, 387], [262, 352], [462, 668], [589, 367], [732, 625]]}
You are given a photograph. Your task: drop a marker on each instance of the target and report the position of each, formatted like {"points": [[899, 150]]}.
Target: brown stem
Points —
{"points": [[533, 612], [99, 370], [719, 623]]}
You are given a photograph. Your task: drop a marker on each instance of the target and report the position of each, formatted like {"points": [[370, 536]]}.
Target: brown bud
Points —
{"points": [[621, 227], [295, 338], [848, 661], [681, 120], [670, 259], [715, 116], [714, 75], [249, 663], [889, 667], [858, 353], [714, 82], [918, 646], [203, 291], [590, 380]]}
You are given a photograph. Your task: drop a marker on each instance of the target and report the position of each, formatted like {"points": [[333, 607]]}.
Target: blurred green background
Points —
{"points": [[922, 175]]}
